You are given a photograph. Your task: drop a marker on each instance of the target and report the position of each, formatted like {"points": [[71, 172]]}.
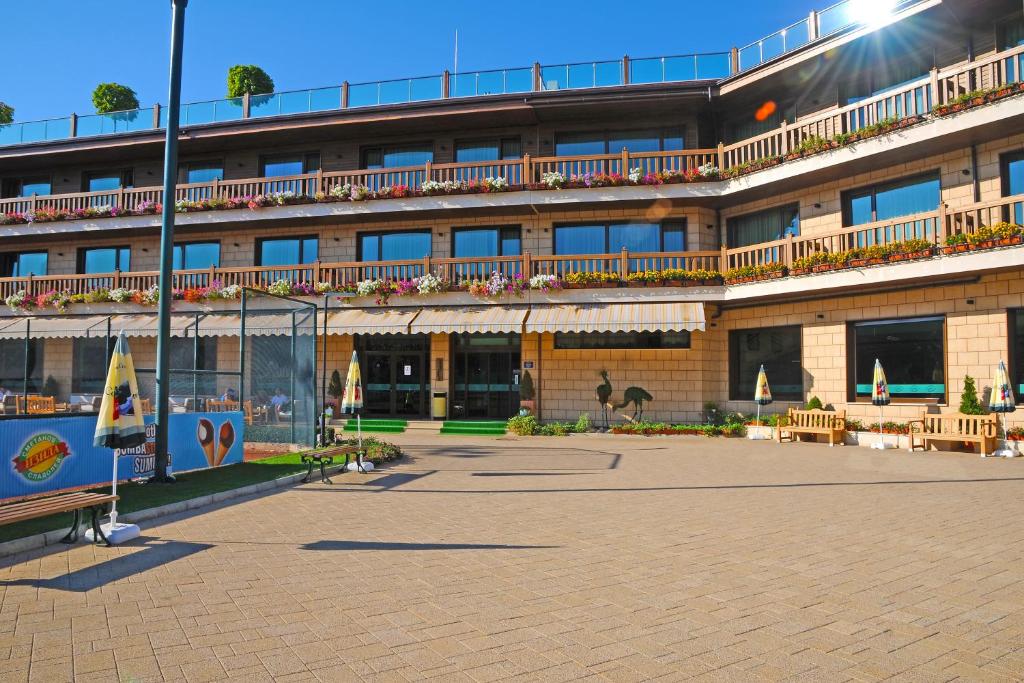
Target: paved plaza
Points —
{"points": [[554, 559]]}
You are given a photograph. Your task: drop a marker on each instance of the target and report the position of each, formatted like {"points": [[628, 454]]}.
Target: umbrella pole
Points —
{"points": [[881, 436], [758, 420], [113, 504]]}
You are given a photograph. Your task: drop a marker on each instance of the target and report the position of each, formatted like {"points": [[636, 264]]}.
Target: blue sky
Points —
{"points": [[71, 46]]}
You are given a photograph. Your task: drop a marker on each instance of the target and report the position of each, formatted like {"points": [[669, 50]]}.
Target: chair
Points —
{"points": [[40, 405], [145, 406]]}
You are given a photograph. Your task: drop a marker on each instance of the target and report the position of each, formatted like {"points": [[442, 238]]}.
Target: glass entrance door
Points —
{"points": [[485, 376], [394, 369]]}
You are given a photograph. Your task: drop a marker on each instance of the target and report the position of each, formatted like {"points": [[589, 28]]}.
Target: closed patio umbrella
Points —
{"points": [[1002, 401], [120, 425], [352, 400], [762, 397], [880, 397]]}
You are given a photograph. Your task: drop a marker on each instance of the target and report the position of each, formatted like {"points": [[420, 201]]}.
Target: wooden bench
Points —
{"points": [[96, 503], [326, 456], [831, 423], [953, 428]]}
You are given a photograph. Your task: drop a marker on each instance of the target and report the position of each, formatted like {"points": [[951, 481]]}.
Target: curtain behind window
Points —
{"points": [[763, 226]]}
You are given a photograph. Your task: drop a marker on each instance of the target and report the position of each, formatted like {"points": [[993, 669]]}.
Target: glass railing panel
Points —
{"points": [[498, 82], [554, 77], [323, 99], [230, 109], [425, 88], [264, 105], [713, 66], [364, 94], [518, 80], [773, 46], [10, 134], [394, 92], [647, 70], [681, 68], [115, 122], [797, 35], [750, 56], [836, 17], [295, 102], [196, 113]]}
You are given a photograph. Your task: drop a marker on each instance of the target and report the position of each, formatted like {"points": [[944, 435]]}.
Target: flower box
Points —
{"points": [[910, 256], [956, 249], [1001, 242], [799, 271], [862, 262], [824, 267]]}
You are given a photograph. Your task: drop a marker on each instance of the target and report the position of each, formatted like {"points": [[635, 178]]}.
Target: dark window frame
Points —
{"points": [[1015, 364], [118, 248], [76, 376], [188, 243], [36, 353], [187, 166], [1005, 159], [499, 228], [847, 196], [9, 257], [20, 182], [779, 208], [851, 360], [681, 221], [301, 239], [363, 151], [126, 175], [744, 393], [304, 156], [380, 233], [577, 341], [501, 140], [608, 133]]}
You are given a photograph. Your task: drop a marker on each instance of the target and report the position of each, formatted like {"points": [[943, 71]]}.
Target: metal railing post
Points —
{"points": [[734, 61], [74, 125], [246, 105], [344, 95], [812, 26], [537, 85], [156, 115], [625, 69]]}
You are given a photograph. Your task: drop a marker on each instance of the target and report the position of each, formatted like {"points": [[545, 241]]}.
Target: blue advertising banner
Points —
{"points": [[50, 454]]}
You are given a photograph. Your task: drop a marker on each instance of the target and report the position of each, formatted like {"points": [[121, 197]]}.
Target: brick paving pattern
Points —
{"points": [[596, 558]]}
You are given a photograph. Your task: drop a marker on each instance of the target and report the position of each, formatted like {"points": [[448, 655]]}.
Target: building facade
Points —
{"points": [[837, 192]]}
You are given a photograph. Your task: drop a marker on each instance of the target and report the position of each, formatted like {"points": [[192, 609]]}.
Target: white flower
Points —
{"points": [[16, 300], [323, 287], [496, 184], [708, 171], [231, 292], [636, 175], [553, 179], [429, 284], [545, 282], [120, 295], [281, 288], [367, 287], [342, 191]]}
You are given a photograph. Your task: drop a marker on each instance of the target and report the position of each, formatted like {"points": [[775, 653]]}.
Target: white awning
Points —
{"points": [[469, 319], [257, 324], [143, 325], [632, 317], [56, 327], [371, 320]]}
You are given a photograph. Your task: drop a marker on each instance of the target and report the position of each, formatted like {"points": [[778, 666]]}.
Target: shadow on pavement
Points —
{"points": [[154, 553], [383, 545]]}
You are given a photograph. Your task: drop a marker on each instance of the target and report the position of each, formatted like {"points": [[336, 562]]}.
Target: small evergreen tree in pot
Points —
{"points": [[108, 97], [248, 78], [969, 403], [527, 392], [334, 388], [6, 113]]}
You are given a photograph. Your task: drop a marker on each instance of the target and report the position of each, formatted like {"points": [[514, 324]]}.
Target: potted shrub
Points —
{"points": [[527, 392], [674, 277], [868, 256], [956, 244], [911, 249], [999, 235]]}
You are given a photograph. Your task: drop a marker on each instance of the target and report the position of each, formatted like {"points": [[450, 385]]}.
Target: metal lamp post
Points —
{"points": [[163, 342]]}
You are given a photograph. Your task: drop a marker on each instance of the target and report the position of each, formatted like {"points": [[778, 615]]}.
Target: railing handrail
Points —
{"points": [[964, 67]]}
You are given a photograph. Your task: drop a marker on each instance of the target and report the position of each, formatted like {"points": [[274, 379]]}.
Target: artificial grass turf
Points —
{"points": [[188, 485]]}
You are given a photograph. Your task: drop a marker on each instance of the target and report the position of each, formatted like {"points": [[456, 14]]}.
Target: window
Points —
{"points": [[24, 187], [286, 252], [493, 149], [891, 200], [204, 171], [1013, 183], [610, 238], [1016, 327], [911, 351], [394, 156], [763, 226], [891, 75], [196, 255], [107, 181], [1011, 34], [104, 259], [12, 365], [622, 340], [750, 125], [289, 164], [612, 142], [496, 241], [778, 349], [20, 264], [394, 246], [89, 363], [204, 351]]}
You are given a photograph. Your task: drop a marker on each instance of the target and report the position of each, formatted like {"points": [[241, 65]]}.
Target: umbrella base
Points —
{"points": [[354, 466], [882, 446], [1006, 452], [116, 533]]}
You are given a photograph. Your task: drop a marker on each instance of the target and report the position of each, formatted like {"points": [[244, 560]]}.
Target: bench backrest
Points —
{"points": [[816, 418], [36, 405], [960, 424]]}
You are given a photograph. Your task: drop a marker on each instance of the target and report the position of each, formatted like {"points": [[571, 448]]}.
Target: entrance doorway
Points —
{"points": [[485, 376], [394, 369]]}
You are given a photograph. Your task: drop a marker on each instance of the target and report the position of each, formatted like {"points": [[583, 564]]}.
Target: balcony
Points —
{"points": [[932, 98], [977, 229], [538, 78]]}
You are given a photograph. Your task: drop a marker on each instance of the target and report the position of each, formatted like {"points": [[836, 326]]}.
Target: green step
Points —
{"points": [[381, 421], [377, 426], [475, 423], [474, 427]]}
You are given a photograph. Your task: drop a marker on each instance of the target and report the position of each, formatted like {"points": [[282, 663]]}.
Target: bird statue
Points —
{"points": [[604, 395]]}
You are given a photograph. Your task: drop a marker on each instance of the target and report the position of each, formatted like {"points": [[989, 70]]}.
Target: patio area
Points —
{"points": [[585, 557]]}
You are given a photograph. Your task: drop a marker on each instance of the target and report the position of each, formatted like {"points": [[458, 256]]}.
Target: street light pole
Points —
{"points": [[163, 340]]}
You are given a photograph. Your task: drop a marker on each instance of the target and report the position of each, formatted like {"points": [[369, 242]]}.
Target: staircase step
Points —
{"points": [[351, 428]]}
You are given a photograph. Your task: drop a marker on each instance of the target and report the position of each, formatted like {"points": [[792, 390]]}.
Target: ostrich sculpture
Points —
{"points": [[604, 394], [636, 396]]}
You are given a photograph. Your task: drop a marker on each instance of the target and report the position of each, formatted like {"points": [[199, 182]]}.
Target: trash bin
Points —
{"points": [[440, 405]]}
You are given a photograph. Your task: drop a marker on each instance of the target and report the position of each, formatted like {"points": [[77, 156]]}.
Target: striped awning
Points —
{"points": [[142, 325], [469, 319], [632, 317], [55, 327], [371, 320], [260, 324]]}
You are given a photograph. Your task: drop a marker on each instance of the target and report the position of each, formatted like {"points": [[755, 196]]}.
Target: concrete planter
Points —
{"points": [[868, 439]]}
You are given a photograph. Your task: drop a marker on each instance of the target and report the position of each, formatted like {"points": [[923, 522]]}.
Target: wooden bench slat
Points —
{"points": [[815, 421], [44, 507]]}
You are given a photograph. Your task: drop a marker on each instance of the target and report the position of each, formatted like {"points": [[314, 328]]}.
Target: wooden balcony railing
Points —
{"points": [[914, 98], [932, 226]]}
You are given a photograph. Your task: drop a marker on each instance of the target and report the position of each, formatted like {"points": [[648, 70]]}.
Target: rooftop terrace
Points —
{"points": [[713, 67]]}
